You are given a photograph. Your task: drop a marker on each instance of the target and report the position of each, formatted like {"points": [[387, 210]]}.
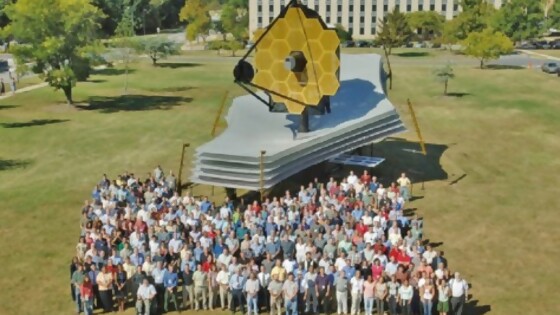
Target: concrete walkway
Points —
{"points": [[529, 52], [22, 90]]}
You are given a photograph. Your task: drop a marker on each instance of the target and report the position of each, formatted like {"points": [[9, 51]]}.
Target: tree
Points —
{"points": [[450, 33], [394, 32], [487, 45], [233, 46], [342, 33], [429, 23], [553, 16], [444, 74], [195, 13], [158, 48], [59, 37], [124, 43], [234, 19], [476, 16], [520, 19]]}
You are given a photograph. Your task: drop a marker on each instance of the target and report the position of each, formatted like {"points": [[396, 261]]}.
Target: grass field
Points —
{"points": [[494, 209]]}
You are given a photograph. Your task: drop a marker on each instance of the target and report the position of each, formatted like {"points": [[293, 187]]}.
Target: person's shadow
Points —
{"points": [[472, 307]]}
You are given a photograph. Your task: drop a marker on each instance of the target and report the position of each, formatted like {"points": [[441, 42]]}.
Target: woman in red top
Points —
{"points": [[255, 207], [376, 270], [86, 292], [207, 265]]}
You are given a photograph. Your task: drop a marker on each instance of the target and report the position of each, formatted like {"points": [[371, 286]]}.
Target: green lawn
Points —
{"points": [[500, 131]]}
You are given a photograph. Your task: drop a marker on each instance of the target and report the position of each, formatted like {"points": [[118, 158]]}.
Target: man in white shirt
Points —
{"points": [[459, 293], [224, 258], [252, 288], [145, 295], [357, 290], [352, 178], [429, 254], [223, 282]]}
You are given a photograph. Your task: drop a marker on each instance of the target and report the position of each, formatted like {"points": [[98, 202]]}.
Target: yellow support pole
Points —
{"points": [[417, 126], [261, 184], [219, 114], [179, 182]]}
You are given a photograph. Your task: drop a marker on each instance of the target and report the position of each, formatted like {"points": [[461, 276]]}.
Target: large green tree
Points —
{"points": [[553, 16], [487, 45], [158, 48], [428, 23], [342, 33], [195, 13], [124, 42], [394, 32], [476, 16], [59, 36], [520, 19], [235, 19]]}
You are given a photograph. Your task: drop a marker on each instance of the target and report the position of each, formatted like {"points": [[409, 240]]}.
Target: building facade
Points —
{"points": [[359, 17]]}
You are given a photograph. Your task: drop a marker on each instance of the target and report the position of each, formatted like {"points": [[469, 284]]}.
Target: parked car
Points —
{"points": [[527, 46], [555, 44], [550, 67], [348, 43], [363, 43], [542, 45]]}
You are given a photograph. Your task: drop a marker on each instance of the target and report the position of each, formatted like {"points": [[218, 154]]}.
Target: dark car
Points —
{"points": [[348, 43], [555, 44], [550, 67], [363, 43], [527, 46], [542, 45]]}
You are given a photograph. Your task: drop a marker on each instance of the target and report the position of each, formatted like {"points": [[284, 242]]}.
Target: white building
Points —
{"points": [[359, 17]]}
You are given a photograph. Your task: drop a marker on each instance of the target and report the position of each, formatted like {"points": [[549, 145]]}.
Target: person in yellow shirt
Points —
{"points": [[279, 271], [404, 184]]}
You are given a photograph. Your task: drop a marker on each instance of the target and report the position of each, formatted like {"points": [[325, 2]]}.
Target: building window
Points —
{"points": [[351, 9], [408, 8], [351, 31], [374, 8], [339, 8], [432, 7], [271, 8], [259, 8], [362, 32], [351, 19], [338, 19], [259, 20], [270, 19], [362, 19], [282, 7], [328, 8], [373, 31], [455, 7], [397, 7], [385, 8], [444, 7], [420, 7], [362, 8]]}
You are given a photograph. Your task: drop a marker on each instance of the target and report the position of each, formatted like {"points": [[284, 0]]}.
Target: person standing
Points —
{"points": [[311, 296], [264, 280], [120, 287], [443, 297], [393, 287], [275, 290], [136, 281], [157, 275], [404, 184], [356, 291], [104, 282], [236, 285], [212, 287], [93, 272], [86, 293], [188, 288], [2, 87], [290, 291], [405, 297], [170, 280], [459, 293], [252, 287], [322, 289], [200, 279], [369, 297], [427, 293], [144, 297], [380, 295], [223, 282], [77, 280], [341, 285], [13, 84]]}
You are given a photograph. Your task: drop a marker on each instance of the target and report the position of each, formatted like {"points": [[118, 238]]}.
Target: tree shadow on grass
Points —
{"points": [[33, 123], [7, 106], [112, 71], [177, 65], [172, 89], [112, 104], [503, 67], [13, 164], [96, 81], [411, 54], [458, 94]]}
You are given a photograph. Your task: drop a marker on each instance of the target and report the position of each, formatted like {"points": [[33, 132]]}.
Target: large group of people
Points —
{"points": [[343, 247]]}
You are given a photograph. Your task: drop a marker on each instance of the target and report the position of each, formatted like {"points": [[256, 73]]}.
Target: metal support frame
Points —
{"points": [[261, 179], [179, 181], [417, 126]]}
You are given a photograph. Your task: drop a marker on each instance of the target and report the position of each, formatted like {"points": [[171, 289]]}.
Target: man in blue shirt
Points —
{"points": [[170, 280], [219, 247], [205, 205], [349, 269], [236, 285]]}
